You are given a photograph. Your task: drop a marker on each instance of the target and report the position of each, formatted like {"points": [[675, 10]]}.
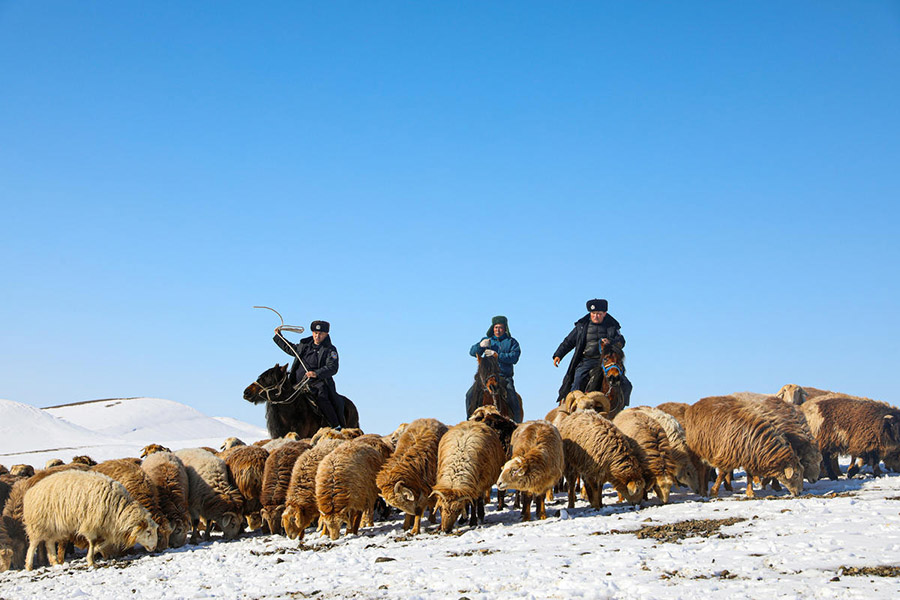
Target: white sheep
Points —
{"points": [[87, 504]]}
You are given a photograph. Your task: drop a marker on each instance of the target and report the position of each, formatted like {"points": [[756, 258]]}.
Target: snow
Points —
{"points": [[778, 547]]}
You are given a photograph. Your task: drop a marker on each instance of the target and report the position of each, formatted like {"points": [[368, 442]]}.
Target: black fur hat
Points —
{"points": [[320, 326], [597, 304]]}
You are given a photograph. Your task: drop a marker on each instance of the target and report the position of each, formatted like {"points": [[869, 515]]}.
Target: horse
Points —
{"points": [[606, 377], [490, 387], [291, 410]]}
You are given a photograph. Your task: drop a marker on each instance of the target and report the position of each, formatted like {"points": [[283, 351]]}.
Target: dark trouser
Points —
{"points": [[583, 373], [325, 404]]}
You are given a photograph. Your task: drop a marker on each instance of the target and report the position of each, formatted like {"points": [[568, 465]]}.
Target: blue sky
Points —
{"points": [[726, 175]]}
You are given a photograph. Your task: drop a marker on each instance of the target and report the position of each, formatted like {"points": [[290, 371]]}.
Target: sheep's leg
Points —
{"points": [[830, 463], [526, 507], [51, 549], [367, 517], [548, 497], [90, 555], [29, 556], [750, 493], [61, 552], [729, 476], [720, 477], [517, 499], [855, 467], [417, 521], [571, 485], [501, 499], [208, 532], [539, 507], [353, 524], [408, 521]]}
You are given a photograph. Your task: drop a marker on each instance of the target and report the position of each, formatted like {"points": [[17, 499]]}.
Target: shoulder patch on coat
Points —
{"points": [[334, 354]]}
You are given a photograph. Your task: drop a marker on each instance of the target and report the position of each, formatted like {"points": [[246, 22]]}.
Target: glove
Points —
{"points": [[485, 343], [490, 353]]}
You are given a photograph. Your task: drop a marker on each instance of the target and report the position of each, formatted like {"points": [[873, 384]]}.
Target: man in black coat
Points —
{"points": [[590, 331], [321, 360]]}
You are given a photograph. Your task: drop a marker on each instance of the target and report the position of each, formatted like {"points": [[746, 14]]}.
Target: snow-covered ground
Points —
{"points": [[773, 547]]}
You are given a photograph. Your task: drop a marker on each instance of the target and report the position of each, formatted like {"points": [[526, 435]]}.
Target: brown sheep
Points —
{"points": [[53, 462], [169, 476], [652, 438], [83, 460], [231, 442], [686, 470], [504, 426], [408, 476], [148, 450], [327, 433], [142, 489], [247, 466], [12, 526], [345, 486], [791, 421], [276, 479], [537, 463], [470, 456], [211, 494], [728, 433], [704, 472], [3, 470], [598, 452], [855, 426], [578, 400], [300, 503]]}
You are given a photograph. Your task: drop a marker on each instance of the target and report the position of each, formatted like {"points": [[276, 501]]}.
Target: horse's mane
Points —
{"points": [[487, 366], [615, 350]]}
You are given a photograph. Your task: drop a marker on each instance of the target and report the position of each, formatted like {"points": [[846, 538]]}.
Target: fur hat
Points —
{"points": [[498, 320], [597, 304], [320, 326]]}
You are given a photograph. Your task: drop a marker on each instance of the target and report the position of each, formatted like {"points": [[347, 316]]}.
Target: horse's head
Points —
{"points": [[270, 380], [613, 361], [488, 374]]}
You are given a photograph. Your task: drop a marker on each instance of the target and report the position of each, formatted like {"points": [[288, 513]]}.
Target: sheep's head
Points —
{"points": [[632, 491], [792, 477], [232, 442], [163, 532], [231, 525], [332, 525], [812, 465], [892, 427], [6, 555], [451, 508], [180, 531], [152, 448], [145, 534], [254, 521], [289, 522], [688, 476], [272, 516], [514, 471], [792, 394], [403, 498]]}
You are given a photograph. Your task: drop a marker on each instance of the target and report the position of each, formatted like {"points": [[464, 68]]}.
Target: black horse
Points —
{"points": [[291, 410], [607, 378]]}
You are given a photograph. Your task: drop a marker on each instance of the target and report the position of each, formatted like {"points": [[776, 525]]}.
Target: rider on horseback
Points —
{"points": [[498, 341], [590, 331], [321, 360]]}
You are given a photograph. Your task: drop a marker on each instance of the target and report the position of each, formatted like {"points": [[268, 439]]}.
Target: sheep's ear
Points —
{"points": [[397, 487], [789, 472], [407, 494], [226, 521], [632, 488]]}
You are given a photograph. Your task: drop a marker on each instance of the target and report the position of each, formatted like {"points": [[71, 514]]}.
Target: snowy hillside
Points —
{"points": [[110, 428]]}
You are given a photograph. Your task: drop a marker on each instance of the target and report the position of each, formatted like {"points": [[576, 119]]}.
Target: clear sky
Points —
{"points": [[726, 174]]}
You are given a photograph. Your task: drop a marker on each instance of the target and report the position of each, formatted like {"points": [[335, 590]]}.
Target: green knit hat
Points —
{"points": [[502, 321]]}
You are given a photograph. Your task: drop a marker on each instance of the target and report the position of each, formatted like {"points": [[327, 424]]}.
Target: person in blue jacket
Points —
{"points": [[498, 341]]}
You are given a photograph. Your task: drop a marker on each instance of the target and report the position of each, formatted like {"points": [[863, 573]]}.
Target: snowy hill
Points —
{"points": [[110, 428]]}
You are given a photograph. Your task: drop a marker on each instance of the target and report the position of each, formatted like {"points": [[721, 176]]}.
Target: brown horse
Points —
{"points": [[607, 376], [288, 409], [490, 387]]}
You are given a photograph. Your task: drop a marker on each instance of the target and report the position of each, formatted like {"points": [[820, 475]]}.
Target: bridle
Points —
{"points": [[278, 388]]}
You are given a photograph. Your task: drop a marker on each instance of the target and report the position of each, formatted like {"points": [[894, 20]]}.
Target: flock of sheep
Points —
{"points": [[340, 478]]}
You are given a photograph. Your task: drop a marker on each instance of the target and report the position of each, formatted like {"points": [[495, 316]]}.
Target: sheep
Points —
{"points": [[142, 489], [168, 475], [651, 437], [728, 433], [12, 524], [395, 436], [53, 462], [597, 451], [150, 449], [470, 457], [3, 470], [5, 489], [86, 504], [21, 470], [345, 486], [276, 479], [537, 463], [504, 426], [791, 422], [210, 494], [855, 426], [300, 504], [578, 400], [408, 476], [247, 465], [685, 461], [327, 433], [83, 460]]}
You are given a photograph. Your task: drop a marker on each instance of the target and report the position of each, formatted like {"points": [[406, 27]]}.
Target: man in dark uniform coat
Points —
{"points": [[321, 360], [590, 330]]}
